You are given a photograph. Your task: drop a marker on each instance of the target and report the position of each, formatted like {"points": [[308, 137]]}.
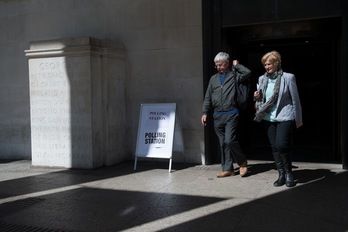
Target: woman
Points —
{"points": [[278, 106]]}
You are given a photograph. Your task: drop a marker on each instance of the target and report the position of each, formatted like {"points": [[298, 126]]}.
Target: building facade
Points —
{"points": [[162, 42], [169, 47]]}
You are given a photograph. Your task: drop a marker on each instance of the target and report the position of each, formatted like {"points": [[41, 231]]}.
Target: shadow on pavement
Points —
{"points": [[318, 205]]}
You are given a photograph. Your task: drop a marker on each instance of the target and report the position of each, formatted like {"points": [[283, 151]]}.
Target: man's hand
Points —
{"points": [[204, 119]]}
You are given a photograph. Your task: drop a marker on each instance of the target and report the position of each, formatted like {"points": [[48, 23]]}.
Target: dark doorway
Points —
{"points": [[309, 51]]}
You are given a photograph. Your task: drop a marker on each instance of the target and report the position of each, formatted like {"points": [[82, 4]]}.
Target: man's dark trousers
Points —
{"points": [[225, 126]]}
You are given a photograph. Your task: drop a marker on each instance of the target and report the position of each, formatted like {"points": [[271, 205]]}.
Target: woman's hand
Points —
{"points": [[257, 95], [299, 124]]}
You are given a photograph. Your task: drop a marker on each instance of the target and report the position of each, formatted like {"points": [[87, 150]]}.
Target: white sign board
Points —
{"points": [[158, 125]]}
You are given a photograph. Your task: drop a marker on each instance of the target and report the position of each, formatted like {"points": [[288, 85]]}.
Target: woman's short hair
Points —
{"points": [[222, 56], [273, 57]]}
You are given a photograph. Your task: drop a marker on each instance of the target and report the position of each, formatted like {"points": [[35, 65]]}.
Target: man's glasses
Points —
{"points": [[220, 65]]}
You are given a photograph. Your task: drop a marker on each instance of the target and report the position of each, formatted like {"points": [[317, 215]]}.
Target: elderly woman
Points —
{"points": [[278, 106]]}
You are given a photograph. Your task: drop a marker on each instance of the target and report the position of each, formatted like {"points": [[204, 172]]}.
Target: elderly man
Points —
{"points": [[221, 98]]}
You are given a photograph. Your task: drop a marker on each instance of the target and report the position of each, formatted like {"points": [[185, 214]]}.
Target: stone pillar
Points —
{"points": [[77, 102]]}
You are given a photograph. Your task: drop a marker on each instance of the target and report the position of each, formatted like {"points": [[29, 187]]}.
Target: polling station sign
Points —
{"points": [[159, 132], [156, 130]]}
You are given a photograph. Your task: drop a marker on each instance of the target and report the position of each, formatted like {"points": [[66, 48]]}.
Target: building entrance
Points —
{"points": [[312, 54]]}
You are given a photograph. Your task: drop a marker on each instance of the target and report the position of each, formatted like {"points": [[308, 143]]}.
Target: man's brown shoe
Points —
{"points": [[225, 173], [243, 171]]}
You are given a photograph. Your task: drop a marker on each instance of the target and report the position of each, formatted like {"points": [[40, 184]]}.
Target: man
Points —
{"points": [[221, 97]]}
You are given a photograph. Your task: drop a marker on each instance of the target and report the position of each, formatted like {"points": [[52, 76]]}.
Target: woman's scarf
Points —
{"points": [[263, 108]]}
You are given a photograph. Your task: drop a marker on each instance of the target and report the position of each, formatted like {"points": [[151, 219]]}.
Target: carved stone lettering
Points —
{"points": [[57, 120], [77, 103]]}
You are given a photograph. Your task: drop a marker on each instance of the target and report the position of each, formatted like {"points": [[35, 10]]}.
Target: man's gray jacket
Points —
{"points": [[221, 97]]}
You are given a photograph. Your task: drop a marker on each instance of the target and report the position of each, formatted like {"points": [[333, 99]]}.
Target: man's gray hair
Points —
{"points": [[222, 56]]}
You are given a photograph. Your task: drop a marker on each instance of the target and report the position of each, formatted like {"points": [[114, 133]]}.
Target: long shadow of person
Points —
{"points": [[255, 169], [309, 175], [301, 176]]}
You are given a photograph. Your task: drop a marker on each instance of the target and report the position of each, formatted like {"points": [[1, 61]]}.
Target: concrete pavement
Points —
{"points": [[190, 198]]}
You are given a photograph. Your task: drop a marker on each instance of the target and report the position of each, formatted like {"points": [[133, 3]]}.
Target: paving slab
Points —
{"points": [[190, 198]]}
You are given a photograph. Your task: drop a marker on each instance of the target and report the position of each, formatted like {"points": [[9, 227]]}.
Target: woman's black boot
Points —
{"points": [[289, 177], [280, 167], [281, 179]]}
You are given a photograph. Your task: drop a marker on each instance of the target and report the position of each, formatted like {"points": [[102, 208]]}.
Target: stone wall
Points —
{"points": [[163, 42]]}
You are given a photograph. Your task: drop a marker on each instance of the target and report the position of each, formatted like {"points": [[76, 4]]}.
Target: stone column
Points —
{"points": [[77, 102]]}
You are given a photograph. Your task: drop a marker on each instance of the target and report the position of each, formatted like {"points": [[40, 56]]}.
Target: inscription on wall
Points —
{"points": [[60, 101]]}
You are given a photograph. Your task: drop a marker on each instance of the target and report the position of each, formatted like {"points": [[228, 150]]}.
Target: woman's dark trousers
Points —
{"points": [[279, 135]]}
